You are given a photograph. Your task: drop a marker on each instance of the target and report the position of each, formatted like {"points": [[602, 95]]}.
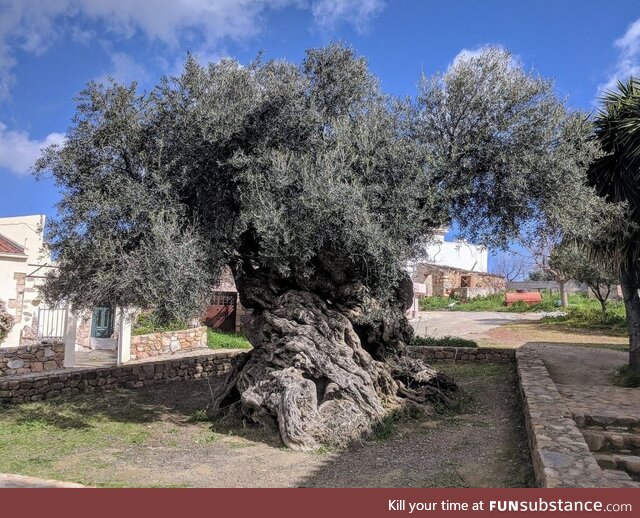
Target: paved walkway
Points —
{"points": [[609, 416], [604, 404], [575, 365], [95, 358], [584, 376]]}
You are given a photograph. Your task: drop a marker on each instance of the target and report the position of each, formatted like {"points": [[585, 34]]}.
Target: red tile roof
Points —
{"points": [[8, 246]]}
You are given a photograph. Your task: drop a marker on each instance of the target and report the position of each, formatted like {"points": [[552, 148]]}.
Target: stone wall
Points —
{"points": [[31, 358], [37, 387], [155, 344], [560, 455], [463, 354]]}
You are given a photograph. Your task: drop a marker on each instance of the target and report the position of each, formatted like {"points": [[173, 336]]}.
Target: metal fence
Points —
{"points": [[51, 323]]}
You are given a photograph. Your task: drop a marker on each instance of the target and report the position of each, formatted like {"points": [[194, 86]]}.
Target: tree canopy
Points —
{"points": [[309, 171], [315, 187]]}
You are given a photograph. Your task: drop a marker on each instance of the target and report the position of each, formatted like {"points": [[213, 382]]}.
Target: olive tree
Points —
{"points": [[577, 263], [315, 187]]}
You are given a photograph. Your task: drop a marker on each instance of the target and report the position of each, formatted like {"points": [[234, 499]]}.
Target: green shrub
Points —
{"points": [[435, 303], [6, 321], [445, 341], [148, 323], [582, 311], [221, 340]]}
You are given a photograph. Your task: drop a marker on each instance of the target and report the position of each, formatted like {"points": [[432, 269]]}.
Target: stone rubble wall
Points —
{"points": [[170, 342], [28, 359], [560, 455], [462, 354], [61, 383]]}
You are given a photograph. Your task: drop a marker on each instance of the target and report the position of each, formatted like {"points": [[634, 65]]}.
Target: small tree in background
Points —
{"points": [[541, 247], [539, 275], [576, 263], [6, 321], [511, 266]]}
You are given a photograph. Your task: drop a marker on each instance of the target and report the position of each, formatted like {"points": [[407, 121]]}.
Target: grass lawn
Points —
{"points": [[221, 340], [585, 313], [159, 436]]}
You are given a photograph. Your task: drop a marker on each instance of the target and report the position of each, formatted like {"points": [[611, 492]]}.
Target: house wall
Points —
{"points": [[84, 341], [456, 254], [18, 287], [243, 315]]}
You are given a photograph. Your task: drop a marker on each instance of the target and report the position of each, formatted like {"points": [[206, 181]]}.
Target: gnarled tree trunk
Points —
{"points": [[325, 370]]}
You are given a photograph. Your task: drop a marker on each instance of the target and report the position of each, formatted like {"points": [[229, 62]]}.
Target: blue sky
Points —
{"points": [[50, 48]]}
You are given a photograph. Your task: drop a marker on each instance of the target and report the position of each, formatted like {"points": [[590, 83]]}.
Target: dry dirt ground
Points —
{"points": [[157, 437]]}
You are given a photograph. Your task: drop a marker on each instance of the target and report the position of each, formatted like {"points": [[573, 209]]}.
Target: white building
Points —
{"points": [[456, 254], [452, 267], [23, 262]]}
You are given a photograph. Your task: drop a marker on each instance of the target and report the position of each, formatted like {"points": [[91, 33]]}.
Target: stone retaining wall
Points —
{"points": [[463, 354], [31, 358], [36, 387], [560, 455], [170, 342]]}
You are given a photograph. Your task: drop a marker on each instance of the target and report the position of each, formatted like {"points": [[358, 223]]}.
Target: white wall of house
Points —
{"points": [[26, 231], [458, 254]]}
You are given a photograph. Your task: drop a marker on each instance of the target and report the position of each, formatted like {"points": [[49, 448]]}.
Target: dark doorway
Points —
{"points": [[102, 322], [221, 313]]}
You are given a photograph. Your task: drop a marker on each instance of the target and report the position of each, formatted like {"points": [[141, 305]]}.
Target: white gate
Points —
{"points": [[51, 324]]}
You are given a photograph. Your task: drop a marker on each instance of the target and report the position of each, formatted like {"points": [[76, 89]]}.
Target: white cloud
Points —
{"points": [[18, 151], [126, 70], [628, 60], [358, 13]]}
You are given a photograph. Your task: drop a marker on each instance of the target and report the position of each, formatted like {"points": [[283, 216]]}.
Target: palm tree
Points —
{"points": [[616, 177]]}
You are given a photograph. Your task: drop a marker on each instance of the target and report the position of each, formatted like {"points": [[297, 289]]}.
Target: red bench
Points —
{"points": [[530, 298]]}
